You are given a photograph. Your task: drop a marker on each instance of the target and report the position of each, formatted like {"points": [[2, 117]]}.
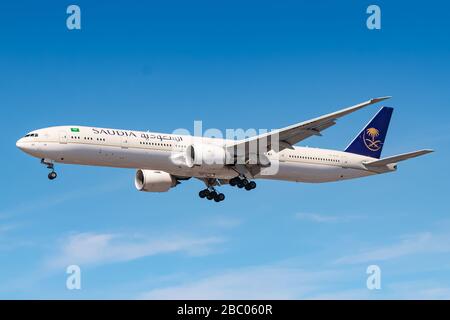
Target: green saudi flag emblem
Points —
{"points": [[74, 129]]}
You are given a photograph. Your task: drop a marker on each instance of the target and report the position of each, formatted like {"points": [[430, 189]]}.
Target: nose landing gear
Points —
{"points": [[52, 175]]}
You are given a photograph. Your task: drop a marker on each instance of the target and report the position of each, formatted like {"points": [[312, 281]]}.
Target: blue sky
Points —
{"points": [[232, 64]]}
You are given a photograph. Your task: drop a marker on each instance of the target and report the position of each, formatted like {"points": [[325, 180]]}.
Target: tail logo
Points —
{"points": [[370, 139]]}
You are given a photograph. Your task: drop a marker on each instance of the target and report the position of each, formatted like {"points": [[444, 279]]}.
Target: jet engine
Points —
{"points": [[154, 181], [206, 155]]}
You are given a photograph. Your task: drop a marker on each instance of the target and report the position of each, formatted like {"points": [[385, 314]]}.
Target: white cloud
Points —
{"points": [[289, 282], [394, 290], [4, 228], [416, 244], [49, 201], [434, 293], [97, 248], [321, 218], [335, 281], [418, 289], [264, 282]]}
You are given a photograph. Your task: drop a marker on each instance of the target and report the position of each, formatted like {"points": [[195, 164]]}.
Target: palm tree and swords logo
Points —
{"points": [[370, 139]]}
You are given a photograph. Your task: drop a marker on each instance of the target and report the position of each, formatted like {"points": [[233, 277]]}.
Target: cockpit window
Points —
{"points": [[31, 135]]}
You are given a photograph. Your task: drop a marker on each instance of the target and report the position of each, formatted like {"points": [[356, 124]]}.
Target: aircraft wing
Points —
{"points": [[291, 135], [398, 158]]}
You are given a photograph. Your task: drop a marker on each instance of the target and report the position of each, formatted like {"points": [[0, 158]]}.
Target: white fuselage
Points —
{"points": [[156, 151]]}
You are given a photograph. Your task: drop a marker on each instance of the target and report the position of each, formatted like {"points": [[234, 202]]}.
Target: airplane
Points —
{"points": [[162, 161]]}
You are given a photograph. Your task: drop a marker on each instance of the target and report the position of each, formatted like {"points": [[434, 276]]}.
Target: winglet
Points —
{"points": [[375, 100]]}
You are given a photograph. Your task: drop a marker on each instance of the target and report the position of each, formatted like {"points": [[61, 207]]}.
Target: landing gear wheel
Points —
{"points": [[219, 197], [211, 195], [245, 182], [240, 185], [52, 175], [252, 185], [210, 192], [234, 182]]}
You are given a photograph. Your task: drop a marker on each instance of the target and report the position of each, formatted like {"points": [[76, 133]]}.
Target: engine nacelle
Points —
{"points": [[154, 181], [206, 155]]}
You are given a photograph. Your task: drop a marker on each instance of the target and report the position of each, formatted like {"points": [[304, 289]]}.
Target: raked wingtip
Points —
{"points": [[375, 100]]}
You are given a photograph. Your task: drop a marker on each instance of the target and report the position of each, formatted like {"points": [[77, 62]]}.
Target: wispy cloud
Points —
{"points": [[322, 218], [280, 281], [425, 242], [9, 242], [54, 200], [419, 289], [100, 248], [261, 282], [4, 228], [393, 290]]}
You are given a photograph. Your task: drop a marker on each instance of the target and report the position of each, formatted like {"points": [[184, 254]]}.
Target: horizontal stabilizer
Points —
{"points": [[398, 158]]}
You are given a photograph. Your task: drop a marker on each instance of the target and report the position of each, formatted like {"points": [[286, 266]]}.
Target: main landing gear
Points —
{"points": [[211, 194], [52, 175], [242, 183]]}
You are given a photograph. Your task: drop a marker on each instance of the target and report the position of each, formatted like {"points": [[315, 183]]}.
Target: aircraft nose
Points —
{"points": [[20, 144], [25, 146]]}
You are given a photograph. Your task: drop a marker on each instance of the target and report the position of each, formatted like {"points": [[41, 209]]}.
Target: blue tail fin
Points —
{"points": [[369, 142]]}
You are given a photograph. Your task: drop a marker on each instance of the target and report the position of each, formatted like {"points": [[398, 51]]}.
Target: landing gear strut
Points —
{"points": [[52, 175]]}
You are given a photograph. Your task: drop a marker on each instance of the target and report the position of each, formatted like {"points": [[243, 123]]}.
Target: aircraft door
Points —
{"points": [[63, 137]]}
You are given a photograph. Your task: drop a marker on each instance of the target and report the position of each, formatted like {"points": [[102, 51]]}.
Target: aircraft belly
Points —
{"points": [[313, 173], [110, 156]]}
